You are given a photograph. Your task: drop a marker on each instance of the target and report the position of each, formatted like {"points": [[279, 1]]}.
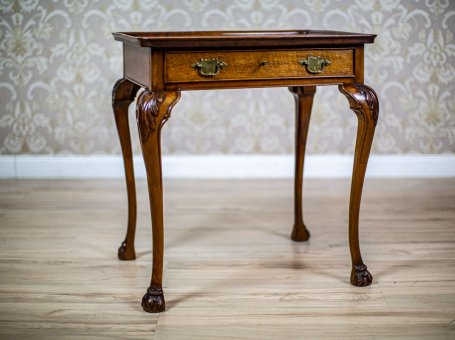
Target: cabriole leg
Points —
{"points": [[153, 110], [123, 94], [303, 103], [364, 102]]}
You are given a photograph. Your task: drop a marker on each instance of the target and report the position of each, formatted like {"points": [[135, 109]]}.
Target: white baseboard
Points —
{"points": [[228, 166]]}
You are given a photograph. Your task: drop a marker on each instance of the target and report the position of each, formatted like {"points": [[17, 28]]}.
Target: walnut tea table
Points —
{"points": [[166, 63]]}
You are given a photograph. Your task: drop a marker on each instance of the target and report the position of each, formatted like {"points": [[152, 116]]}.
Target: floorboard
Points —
{"points": [[231, 270]]}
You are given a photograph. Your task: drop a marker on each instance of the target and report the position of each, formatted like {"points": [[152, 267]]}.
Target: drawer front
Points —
{"points": [[255, 65]]}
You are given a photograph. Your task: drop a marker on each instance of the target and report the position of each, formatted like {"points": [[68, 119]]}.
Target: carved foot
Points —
{"points": [[126, 253], [153, 300], [360, 276], [300, 233]]}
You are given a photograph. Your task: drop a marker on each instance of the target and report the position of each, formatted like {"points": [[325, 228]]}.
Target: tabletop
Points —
{"points": [[242, 38]]}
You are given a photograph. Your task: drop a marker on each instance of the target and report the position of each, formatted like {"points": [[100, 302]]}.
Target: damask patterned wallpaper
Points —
{"points": [[58, 63]]}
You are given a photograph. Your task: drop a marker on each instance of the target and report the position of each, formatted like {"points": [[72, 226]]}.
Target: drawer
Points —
{"points": [[255, 65]]}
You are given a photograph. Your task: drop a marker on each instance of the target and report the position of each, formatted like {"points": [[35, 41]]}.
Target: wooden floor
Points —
{"points": [[231, 271]]}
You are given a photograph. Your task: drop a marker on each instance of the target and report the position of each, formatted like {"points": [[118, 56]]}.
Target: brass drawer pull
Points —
{"points": [[209, 67], [264, 63], [314, 64]]}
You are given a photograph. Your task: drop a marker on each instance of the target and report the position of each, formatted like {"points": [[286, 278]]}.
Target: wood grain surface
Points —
{"points": [[246, 65], [200, 39], [231, 271]]}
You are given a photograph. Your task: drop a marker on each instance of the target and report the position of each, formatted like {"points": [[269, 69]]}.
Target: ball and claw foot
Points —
{"points": [[300, 233], [360, 276], [153, 300], [126, 253]]}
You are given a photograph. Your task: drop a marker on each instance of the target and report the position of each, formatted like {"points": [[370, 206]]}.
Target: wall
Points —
{"points": [[58, 63]]}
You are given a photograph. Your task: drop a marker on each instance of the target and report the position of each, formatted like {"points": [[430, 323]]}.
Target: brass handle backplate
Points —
{"points": [[209, 67], [314, 64]]}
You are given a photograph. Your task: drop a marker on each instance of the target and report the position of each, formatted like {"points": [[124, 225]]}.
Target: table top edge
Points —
{"points": [[280, 37]]}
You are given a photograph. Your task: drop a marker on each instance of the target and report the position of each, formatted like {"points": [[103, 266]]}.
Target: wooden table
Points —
{"points": [[165, 63]]}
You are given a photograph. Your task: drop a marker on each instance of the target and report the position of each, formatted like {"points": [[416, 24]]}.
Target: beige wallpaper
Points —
{"points": [[58, 63]]}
